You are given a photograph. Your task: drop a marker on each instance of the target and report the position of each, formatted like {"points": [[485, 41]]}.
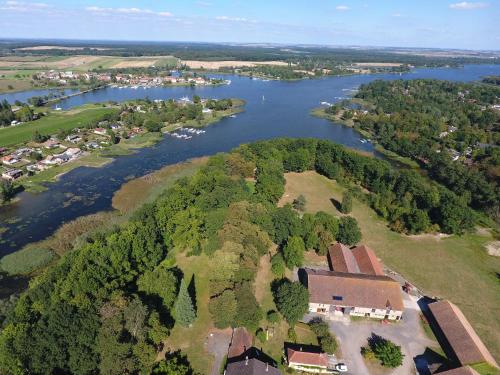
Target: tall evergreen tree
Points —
{"points": [[184, 310]]}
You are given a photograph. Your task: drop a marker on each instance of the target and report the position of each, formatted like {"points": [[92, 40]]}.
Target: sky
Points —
{"points": [[398, 23]]}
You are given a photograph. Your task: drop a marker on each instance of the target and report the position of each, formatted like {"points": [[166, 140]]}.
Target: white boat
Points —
{"points": [[232, 116]]}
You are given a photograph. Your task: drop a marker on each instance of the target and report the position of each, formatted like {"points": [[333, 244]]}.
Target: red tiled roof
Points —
{"points": [[341, 259], [460, 371], [462, 338], [367, 261], [307, 358], [240, 342], [354, 290]]}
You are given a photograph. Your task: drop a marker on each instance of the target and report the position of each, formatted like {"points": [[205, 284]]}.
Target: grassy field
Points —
{"points": [[52, 123], [456, 268], [136, 192], [25, 261], [191, 340]]}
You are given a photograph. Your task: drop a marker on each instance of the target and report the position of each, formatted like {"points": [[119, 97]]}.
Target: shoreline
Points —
{"points": [[97, 159], [392, 157]]}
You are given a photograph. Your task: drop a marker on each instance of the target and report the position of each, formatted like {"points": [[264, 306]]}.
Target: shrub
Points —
{"points": [[25, 260], [261, 335], [273, 317], [367, 353], [292, 335], [349, 233], [346, 205], [388, 353], [328, 344], [299, 203], [278, 265]]}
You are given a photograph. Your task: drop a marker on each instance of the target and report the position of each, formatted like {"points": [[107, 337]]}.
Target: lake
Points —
{"points": [[273, 109]]}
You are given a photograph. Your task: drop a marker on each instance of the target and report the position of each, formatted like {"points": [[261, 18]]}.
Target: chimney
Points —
{"points": [[246, 361]]}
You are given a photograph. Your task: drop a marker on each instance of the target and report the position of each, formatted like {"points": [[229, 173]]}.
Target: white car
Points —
{"points": [[341, 367]]}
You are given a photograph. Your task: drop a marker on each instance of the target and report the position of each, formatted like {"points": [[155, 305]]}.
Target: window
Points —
{"points": [[337, 298], [373, 310]]}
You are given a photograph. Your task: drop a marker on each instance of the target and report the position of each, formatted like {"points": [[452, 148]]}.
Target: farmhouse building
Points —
{"points": [[307, 361], [459, 340], [339, 293]]}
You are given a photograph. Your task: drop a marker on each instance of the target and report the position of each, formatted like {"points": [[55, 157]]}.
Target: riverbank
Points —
{"points": [[33, 258], [320, 112], [98, 158]]}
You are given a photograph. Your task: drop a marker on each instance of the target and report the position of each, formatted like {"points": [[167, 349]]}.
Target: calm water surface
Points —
{"points": [[273, 109]]}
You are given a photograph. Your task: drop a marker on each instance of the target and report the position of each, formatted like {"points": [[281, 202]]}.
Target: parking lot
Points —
{"points": [[408, 333]]}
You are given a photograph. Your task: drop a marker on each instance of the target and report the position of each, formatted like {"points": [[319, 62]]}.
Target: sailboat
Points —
{"points": [[263, 98]]}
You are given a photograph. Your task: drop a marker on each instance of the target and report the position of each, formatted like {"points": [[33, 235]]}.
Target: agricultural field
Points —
{"points": [[451, 267], [81, 62], [52, 123]]}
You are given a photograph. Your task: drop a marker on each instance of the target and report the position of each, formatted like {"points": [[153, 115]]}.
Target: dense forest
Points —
{"points": [[107, 305], [215, 52], [452, 129]]}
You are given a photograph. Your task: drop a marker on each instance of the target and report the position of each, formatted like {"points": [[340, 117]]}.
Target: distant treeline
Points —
{"points": [[216, 52]]}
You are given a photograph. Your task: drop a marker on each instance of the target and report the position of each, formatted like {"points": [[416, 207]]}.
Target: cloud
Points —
{"points": [[397, 15], [23, 6], [203, 3], [342, 8], [464, 5], [126, 11], [233, 19]]}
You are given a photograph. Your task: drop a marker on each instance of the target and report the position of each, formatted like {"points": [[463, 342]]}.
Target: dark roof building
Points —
{"points": [[251, 366], [460, 340]]}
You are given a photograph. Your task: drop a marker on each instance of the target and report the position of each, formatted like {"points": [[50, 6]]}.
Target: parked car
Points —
{"points": [[341, 367]]}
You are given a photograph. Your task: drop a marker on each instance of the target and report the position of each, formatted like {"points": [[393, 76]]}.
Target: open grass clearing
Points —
{"points": [[26, 260], [456, 268], [51, 124], [192, 340]]}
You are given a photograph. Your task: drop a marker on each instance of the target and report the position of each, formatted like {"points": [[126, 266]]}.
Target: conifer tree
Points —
{"points": [[185, 313]]}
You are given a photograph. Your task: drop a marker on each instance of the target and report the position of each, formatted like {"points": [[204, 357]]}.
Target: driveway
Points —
{"points": [[408, 333], [217, 344]]}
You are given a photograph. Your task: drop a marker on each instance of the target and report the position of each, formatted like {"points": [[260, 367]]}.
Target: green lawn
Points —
{"points": [[52, 123], [456, 268]]}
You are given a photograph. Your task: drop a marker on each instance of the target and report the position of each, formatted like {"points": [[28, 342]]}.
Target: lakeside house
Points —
{"points": [[50, 144], [457, 337], [355, 285], [10, 160], [313, 362], [12, 174], [74, 138], [100, 131]]}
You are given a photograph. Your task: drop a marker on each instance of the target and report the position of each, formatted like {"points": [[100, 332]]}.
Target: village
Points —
{"points": [[366, 305], [181, 119], [121, 80]]}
